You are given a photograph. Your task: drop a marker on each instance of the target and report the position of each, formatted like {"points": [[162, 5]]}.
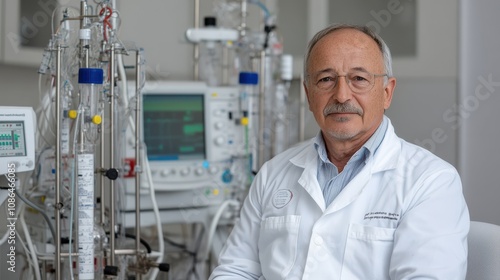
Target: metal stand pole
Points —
{"points": [[138, 168], [58, 165], [112, 155], [262, 108], [196, 46]]}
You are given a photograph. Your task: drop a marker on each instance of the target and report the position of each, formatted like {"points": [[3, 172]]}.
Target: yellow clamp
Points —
{"points": [[244, 121], [96, 119], [72, 114]]}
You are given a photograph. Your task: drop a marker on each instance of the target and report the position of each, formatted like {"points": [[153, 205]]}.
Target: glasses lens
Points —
{"points": [[326, 81], [360, 81]]}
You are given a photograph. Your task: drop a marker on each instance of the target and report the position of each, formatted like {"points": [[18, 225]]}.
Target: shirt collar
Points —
{"points": [[368, 149]]}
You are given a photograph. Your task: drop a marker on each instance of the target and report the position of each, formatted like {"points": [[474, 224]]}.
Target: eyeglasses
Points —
{"points": [[359, 81]]}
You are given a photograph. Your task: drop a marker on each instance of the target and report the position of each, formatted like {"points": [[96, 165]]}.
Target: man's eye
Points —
{"points": [[326, 79], [359, 78]]}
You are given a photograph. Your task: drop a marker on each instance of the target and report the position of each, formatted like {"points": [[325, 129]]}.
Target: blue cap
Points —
{"points": [[90, 76], [249, 78]]}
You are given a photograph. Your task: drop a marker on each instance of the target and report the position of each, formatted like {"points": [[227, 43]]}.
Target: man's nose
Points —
{"points": [[342, 92]]}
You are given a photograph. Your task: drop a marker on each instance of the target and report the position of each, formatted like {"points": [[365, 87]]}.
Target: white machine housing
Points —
{"points": [[184, 186], [222, 139], [17, 139]]}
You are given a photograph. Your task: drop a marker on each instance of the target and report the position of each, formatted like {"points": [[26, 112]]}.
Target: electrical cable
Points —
{"points": [[6, 234], [215, 222], [44, 114], [30, 246], [26, 258], [41, 211], [156, 211], [143, 242], [178, 245], [261, 5], [195, 260]]}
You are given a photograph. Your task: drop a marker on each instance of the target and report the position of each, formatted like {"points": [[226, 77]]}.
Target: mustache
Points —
{"points": [[342, 108]]}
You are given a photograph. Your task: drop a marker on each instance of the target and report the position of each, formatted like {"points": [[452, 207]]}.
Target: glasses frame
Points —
{"points": [[349, 82]]}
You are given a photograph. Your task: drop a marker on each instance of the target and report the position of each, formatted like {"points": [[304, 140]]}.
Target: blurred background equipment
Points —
{"points": [[116, 173]]}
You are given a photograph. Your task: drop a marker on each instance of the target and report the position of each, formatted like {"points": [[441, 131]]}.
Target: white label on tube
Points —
{"points": [[65, 136], [85, 216]]}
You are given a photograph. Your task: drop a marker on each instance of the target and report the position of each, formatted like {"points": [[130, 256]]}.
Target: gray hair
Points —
{"points": [[384, 49]]}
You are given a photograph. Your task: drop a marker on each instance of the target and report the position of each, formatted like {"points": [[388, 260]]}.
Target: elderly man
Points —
{"points": [[357, 201]]}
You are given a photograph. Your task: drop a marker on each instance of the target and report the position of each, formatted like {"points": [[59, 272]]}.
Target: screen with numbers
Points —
{"points": [[12, 139]]}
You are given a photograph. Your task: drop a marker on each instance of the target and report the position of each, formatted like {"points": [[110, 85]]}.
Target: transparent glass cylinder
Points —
{"points": [[249, 108], [90, 109], [211, 63]]}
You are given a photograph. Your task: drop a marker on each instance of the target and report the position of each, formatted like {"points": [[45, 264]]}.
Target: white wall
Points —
{"points": [[479, 106]]}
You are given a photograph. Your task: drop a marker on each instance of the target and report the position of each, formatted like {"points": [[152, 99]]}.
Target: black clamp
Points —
{"points": [[111, 173], [111, 270]]}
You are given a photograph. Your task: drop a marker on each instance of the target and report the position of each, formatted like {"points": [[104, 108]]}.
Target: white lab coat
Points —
{"points": [[402, 217]]}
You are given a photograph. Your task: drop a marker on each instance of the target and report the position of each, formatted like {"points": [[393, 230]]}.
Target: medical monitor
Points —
{"points": [[174, 126], [17, 139], [189, 131]]}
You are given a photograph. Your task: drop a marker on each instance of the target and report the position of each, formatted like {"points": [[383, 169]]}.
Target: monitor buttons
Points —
{"points": [[219, 140], [185, 171], [219, 125], [199, 171], [213, 169], [167, 173]]}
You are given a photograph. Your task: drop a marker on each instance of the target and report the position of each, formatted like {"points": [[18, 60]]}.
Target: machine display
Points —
{"points": [[190, 133], [174, 126], [17, 138], [12, 139]]}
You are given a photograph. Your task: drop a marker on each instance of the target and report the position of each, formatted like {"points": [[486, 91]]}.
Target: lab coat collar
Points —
{"points": [[385, 158]]}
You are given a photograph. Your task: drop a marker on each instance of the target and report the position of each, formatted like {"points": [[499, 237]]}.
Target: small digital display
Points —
{"points": [[174, 126], [12, 139]]}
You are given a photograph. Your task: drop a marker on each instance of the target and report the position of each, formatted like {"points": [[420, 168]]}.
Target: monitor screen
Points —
{"points": [[174, 126], [12, 139]]}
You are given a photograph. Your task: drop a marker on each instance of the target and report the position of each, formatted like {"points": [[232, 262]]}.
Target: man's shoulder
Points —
{"points": [[417, 156], [297, 153], [295, 150]]}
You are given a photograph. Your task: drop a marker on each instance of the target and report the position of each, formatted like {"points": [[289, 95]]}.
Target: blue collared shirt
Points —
{"points": [[330, 180]]}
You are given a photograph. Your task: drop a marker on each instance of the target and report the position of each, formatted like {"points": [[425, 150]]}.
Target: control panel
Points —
{"points": [[17, 139], [223, 141]]}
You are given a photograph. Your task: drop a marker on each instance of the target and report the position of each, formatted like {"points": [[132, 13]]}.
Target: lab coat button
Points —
{"points": [[318, 240]]}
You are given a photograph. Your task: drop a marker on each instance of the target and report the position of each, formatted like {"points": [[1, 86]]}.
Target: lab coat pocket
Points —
{"points": [[367, 252], [278, 245]]}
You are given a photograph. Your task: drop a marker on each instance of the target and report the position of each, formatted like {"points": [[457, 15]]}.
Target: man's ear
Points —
{"points": [[388, 92], [304, 84]]}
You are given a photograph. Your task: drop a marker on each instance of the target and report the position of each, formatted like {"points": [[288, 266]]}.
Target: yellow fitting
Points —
{"points": [[216, 192], [244, 121], [96, 119], [72, 114]]}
